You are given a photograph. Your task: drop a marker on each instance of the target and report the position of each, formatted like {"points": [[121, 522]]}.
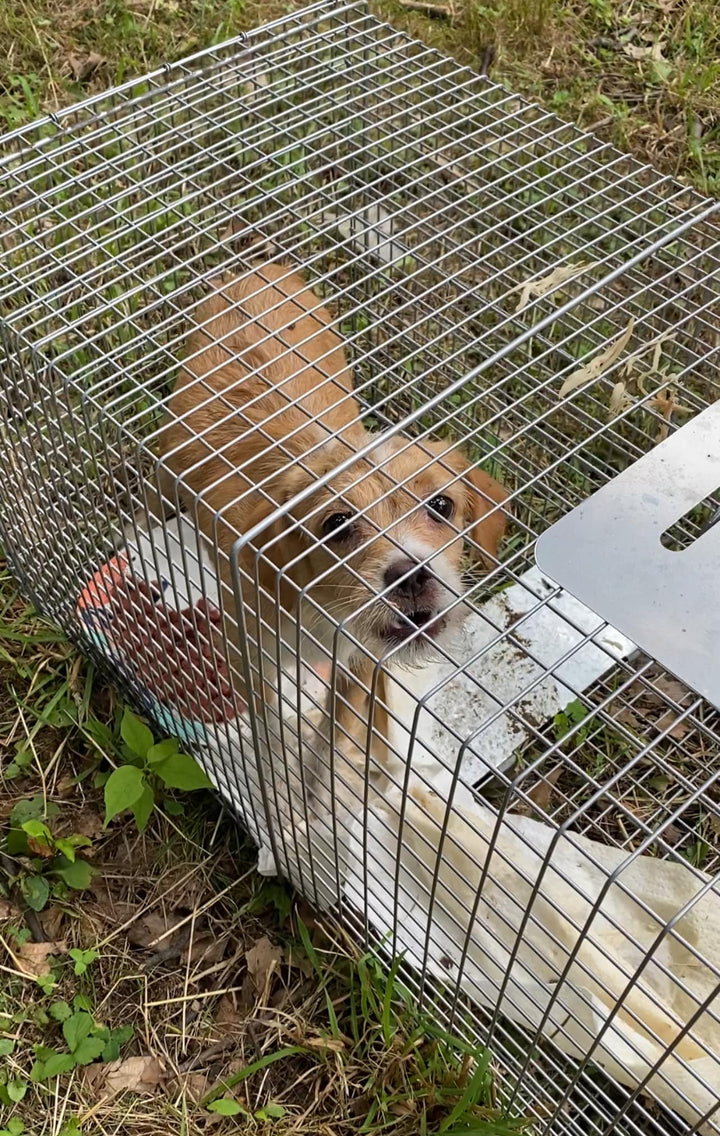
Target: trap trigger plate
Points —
{"points": [[609, 553]]}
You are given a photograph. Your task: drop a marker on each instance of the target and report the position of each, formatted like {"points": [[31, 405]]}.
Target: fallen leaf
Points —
{"points": [[675, 691], [672, 688], [228, 1013], [154, 930], [182, 893], [666, 404], [34, 958], [195, 1086], [83, 66], [672, 834], [650, 704], [543, 285], [134, 1075], [88, 823], [653, 51], [668, 724], [206, 949], [667, 337], [599, 363], [51, 920], [7, 911], [626, 717], [619, 400], [652, 54], [262, 960], [333, 1044], [635, 51], [543, 791], [403, 1108], [299, 961]]}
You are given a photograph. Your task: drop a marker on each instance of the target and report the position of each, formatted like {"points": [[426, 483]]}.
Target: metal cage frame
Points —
{"points": [[492, 271]]}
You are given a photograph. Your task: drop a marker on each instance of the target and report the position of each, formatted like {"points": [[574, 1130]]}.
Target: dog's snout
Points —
{"points": [[407, 578]]}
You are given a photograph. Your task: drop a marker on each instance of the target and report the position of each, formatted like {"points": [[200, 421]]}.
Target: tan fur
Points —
{"points": [[248, 354], [262, 409]]}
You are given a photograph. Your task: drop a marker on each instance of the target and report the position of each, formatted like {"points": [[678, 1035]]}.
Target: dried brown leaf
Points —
{"points": [[626, 717], [599, 363], [51, 921], [672, 688], [333, 1044], [83, 66], [154, 929], [668, 337], [228, 1013], [34, 958], [544, 285], [262, 960], [133, 1075], [667, 405], [207, 949], [653, 52], [88, 823], [542, 792], [619, 400], [668, 724], [7, 911], [195, 1086]]}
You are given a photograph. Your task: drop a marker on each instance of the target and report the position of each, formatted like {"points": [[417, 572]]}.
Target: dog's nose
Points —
{"points": [[407, 578]]}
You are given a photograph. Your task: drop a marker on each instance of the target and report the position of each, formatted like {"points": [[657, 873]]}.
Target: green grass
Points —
{"points": [[147, 955], [333, 1044], [592, 62]]}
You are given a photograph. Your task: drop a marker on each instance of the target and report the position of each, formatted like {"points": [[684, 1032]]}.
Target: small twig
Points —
{"points": [[488, 58], [169, 953], [205, 1056], [186, 981], [428, 9]]}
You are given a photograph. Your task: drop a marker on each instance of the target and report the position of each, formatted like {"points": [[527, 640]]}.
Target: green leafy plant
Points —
{"points": [[46, 864], [71, 1128], [82, 959], [228, 1106], [574, 713], [14, 1127], [86, 1042], [13, 1091], [150, 769]]}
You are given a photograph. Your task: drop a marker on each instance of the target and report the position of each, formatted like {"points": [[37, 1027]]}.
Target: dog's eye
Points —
{"points": [[336, 525], [442, 507]]}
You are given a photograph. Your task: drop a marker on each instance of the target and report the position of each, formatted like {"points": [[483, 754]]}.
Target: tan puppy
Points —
{"points": [[261, 412]]}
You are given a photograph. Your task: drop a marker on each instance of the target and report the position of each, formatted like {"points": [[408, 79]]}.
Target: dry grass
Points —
{"points": [[222, 985]]}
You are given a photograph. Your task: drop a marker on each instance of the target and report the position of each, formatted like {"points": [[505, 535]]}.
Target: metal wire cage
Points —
{"points": [[539, 839]]}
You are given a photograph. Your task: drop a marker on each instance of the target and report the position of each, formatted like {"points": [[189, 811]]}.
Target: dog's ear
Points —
{"points": [[484, 498], [485, 511], [482, 513]]}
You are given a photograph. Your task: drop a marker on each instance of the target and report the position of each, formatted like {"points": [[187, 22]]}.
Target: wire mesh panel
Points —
{"points": [[306, 339]]}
